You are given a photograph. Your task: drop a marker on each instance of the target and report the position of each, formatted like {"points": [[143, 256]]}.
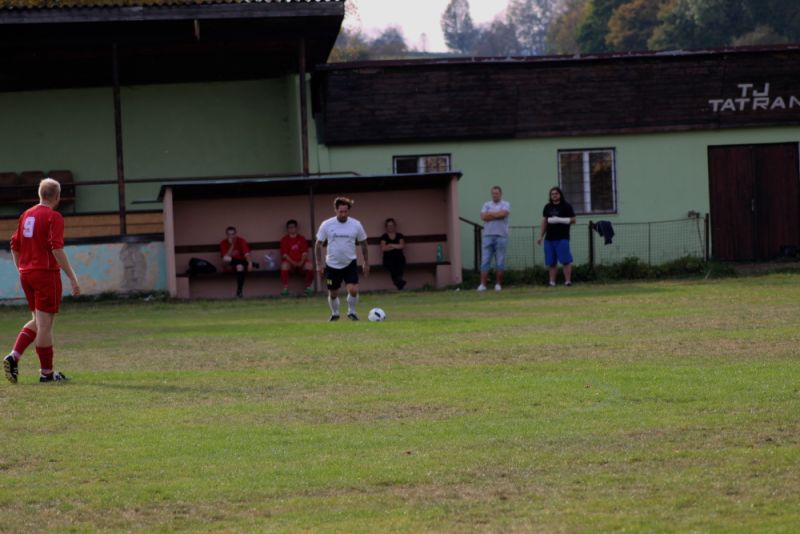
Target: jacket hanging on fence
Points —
{"points": [[605, 229]]}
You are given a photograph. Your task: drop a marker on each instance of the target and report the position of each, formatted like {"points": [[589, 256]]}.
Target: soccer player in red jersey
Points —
{"points": [[294, 257], [37, 247], [235, 252]]}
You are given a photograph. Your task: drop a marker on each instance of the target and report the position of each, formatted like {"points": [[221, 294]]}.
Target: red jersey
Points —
{"points": [[294, 247], [240, 248], [40, 231]]}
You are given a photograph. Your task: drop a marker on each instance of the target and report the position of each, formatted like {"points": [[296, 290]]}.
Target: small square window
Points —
{"points": [[421, 164]]}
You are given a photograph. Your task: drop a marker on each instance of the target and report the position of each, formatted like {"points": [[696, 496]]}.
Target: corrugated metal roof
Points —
{"points": [[71, 4]]}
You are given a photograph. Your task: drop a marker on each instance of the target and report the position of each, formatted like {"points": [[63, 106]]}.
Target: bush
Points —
{"points": [[627, 269], [525, 277], [717, 269], [683, 266]]}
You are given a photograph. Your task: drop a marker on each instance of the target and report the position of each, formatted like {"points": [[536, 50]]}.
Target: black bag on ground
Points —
{"points": [[200, 266]]}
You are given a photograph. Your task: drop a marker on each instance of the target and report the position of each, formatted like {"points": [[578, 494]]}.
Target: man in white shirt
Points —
{"points": [[495, 236], [340, 235]]}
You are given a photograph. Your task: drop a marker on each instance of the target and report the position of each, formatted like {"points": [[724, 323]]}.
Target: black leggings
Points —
{"points": [[395, 264], [240, 275]]}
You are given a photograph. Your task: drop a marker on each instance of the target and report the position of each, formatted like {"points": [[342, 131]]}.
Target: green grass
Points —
{"points": [[661, 406]]}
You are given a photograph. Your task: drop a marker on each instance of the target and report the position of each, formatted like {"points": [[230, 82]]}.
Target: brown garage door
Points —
{"points": [[755, 200]]}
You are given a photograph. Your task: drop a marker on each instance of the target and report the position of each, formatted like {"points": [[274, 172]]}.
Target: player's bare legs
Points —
{"points": [[44, 328]]}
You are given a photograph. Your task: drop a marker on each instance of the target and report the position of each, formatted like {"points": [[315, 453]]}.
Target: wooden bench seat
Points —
{"points": [[262, 273]]}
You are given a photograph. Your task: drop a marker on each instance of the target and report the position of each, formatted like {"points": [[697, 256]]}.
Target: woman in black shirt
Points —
{"points": [[392, 245]]}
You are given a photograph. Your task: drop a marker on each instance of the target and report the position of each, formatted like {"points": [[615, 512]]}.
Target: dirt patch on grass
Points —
{"points": [[765, 267]]}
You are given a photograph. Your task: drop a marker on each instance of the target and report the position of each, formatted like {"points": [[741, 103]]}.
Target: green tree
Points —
{"points": [[720, 21], [631, 25], [592, 33], [702, 23], [605, 25], [531, 19], [562, 35], [498, 39], [762, 35], [351, 45], [459, 32], [781, 16], [390, 44], [676, 26]]}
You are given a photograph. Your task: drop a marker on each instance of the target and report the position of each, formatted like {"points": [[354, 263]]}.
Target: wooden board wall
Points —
{"points": [[409, 101], [98, 225]]}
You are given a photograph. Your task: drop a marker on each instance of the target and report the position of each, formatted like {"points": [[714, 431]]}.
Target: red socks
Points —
{"points": [[45, 359], [285, 278], [309, 278], [25, 338]]}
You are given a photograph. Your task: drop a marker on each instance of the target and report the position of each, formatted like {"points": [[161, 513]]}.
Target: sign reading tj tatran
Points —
{"points": [[751, 99]]}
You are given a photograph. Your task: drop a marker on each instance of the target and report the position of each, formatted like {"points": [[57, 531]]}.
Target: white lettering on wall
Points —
{"points": [[753, 98]]}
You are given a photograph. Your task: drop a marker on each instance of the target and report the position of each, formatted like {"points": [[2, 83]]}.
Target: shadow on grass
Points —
{"points": [[163, 389]]}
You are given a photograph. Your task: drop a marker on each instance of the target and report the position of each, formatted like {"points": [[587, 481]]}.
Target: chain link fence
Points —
{"points": [[653, 243]]}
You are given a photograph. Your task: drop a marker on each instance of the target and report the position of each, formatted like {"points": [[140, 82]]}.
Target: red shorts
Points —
{"points": [[42, 289]]}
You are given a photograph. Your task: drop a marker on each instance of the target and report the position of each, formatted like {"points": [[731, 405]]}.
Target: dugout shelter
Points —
{"points": [[197, 213]]}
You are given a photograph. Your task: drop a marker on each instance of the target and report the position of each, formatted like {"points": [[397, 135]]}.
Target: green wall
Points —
{"points": [[659, 177], [169, 131], [212, 129], [253, 127], [52, 130]]}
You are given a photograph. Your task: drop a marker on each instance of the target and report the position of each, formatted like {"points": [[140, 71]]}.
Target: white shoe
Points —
{"points": [[552, 284], [481, 287], [498, 287]]}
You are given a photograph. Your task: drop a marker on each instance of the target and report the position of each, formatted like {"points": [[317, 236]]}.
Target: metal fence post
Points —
{"points": [[478, 245], [708, 237]]}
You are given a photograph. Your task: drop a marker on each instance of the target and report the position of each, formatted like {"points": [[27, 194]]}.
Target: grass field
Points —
{"points": [[660, 406]]}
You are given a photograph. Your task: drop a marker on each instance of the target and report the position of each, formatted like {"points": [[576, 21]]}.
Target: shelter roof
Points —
{"points": [[50, 44], [295, 185]]}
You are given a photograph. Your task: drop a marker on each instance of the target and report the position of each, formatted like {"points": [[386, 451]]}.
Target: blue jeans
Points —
{"points": [[493, 245]]}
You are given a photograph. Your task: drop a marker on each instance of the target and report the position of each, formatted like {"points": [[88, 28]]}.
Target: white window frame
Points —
{"points": [[420, 162], [587, 178]]}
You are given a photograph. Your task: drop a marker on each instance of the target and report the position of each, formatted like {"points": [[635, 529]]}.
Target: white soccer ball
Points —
{"points": [[376, 315]]}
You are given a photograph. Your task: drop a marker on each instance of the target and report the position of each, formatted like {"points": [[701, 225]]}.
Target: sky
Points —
{"points": [[419, 20]]}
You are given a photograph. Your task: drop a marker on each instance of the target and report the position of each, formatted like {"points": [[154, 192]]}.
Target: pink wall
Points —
{"points": [[262, 219]]}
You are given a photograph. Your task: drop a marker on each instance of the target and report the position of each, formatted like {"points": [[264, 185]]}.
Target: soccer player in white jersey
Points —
{"points": [[340, 235]]}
